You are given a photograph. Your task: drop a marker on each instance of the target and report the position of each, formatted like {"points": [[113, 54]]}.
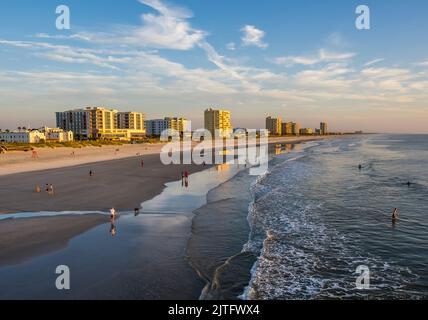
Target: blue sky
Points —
{"points": [[302, 60]]}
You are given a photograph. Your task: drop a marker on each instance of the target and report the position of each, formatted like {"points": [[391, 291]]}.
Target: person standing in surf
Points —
{"points": [[395, 215]]}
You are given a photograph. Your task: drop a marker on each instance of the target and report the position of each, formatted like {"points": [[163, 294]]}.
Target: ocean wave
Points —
{"points": [[300, 255]]}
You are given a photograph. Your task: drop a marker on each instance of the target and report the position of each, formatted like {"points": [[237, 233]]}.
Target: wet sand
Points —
{"points": [[144, 261], [22, 239], [122, 184]]}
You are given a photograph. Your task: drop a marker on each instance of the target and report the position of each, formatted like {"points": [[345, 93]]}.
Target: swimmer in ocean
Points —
{"points": [[395, 215]]}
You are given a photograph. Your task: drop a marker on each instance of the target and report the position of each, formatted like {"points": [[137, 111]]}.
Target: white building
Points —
{"points": [[157, 126], [23, 136], [57, 134]]}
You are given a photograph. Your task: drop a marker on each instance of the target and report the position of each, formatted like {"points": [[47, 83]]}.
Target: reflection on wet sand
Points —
{"points": [[284, 148], [223, 167], [113, 229]]}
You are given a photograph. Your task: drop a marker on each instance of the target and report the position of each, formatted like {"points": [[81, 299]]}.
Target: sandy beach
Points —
{"points": [[122, 184], [19, 162], [119, 181]]}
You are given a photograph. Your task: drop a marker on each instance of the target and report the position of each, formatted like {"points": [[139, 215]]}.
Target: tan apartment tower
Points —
{"points": [[274, 126], [218, 122]]}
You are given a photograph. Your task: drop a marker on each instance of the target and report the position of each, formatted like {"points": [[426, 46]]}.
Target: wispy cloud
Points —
{"points": [[323, 56], [231, 46], [372, 62], [253, 37]]}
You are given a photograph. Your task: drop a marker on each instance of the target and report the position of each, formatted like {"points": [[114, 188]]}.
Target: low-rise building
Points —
{"points": [[22, 136], [57, 135]]}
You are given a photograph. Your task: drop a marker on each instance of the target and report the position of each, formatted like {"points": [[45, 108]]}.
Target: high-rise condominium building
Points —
{"points": [[218, 122], [101, 123], [287, 128], [323, 128], [179, 124], [306, 131], [130, 120], [157, 126], [274, 126], [295, 128]]}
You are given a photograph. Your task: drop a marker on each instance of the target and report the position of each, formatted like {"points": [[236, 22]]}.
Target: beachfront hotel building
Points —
{"points": [[157, 126], [323, 128], [22, 136], [130, 120], [295, 128], [57, 134], [306, 131], [102, 123], [287, 128], [218, 122], [274, 126]]}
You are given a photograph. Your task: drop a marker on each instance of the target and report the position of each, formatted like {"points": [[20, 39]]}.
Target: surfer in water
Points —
{"points": [[360, 167], [395, 215]]}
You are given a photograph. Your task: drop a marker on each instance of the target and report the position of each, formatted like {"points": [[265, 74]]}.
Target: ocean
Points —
{"points": [[315, 217]]}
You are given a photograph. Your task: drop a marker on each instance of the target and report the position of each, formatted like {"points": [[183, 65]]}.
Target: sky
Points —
{"points": [[303, 60]]}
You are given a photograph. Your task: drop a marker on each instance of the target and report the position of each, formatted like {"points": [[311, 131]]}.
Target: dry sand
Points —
{"points": [[18, 162]]}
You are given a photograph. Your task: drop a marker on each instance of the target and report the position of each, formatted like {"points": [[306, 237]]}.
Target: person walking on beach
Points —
{"points": [[186, 178], [112, 214], [34, 154], [142, 163], [47, 188], [182, 178], [136, 211], [51, 190], [91, 173]]}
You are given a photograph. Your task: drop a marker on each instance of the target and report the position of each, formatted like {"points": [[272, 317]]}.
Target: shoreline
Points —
{"points": [[16, 162], [120, 183], [154, 174]]}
